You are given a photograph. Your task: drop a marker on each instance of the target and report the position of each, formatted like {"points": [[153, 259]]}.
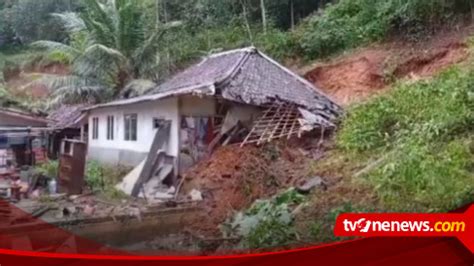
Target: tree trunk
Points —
{"points": [[292, 14], [247, 24], [264, 15], [158, 5]]}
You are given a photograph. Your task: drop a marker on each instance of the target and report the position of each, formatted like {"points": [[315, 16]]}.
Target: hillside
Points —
{"points": [[402, 70]]}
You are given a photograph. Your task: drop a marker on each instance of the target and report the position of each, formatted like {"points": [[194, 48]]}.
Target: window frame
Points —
{"points": [[110, 127], [95, 128], [131, 127]]}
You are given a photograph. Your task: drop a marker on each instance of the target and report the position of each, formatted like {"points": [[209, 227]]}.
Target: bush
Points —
{"points": [[49, 169], [103, 178], [267, 223], [94, 175]]}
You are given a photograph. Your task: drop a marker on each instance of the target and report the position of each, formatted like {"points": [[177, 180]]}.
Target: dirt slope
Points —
{"points": [[354, 77], [22, 82]]}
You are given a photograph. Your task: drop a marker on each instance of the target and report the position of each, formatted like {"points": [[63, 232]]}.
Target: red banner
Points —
{"points": [[44, 244], [459, 225]]}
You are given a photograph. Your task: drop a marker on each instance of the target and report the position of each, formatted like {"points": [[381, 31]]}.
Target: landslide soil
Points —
{"points": [[356, 76]]}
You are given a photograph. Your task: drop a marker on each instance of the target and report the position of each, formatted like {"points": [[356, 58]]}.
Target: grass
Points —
{"points": [[102, 179], [420, 133], [425, 130]]}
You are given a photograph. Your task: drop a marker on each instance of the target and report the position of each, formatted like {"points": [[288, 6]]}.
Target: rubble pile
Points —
{"points": [[233, 178]]}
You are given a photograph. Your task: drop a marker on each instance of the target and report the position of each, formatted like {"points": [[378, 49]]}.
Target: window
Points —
{"points": [[95, 128], [110, 127], [130, 127]]}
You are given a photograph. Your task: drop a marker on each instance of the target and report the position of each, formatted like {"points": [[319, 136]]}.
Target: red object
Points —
{"points": [[459, 225], [60, 247], [210, 131]]}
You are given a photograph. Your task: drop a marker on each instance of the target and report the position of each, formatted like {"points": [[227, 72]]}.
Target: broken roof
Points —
{"points": [[66, 116], [244, 75]]}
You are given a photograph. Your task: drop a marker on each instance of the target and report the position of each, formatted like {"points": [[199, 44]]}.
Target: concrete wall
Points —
{"points": [[131, 153]]}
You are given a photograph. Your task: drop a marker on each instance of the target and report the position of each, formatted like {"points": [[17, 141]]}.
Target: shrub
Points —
{"points": [[49, 169], [94, 175], [267, 223]]}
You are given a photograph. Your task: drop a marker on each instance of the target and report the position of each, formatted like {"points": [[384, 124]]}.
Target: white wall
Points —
{"points": [[146, 111]]}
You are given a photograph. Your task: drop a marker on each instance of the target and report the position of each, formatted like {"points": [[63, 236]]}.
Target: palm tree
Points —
{"points": [[110, 45]]}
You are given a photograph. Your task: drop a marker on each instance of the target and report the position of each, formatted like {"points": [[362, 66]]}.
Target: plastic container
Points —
{"points": [[52, 186]]}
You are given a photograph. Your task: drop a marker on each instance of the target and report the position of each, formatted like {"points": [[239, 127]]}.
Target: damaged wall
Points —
{"points": [[197, 106]]}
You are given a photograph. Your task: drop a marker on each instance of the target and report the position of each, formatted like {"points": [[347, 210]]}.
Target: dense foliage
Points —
{"points": [[350, 23]]}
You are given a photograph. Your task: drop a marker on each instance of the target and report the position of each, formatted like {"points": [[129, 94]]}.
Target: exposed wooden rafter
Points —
{"points": [[276, 122]]}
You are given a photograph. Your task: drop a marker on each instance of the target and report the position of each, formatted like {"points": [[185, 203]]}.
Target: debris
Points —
{"points": [[277, 122], [308, 185], [171, 190], [35, 194], [89, 210], [136, 212], [156, 159], [233, 178], [310, 121], [372, 165], [196, 195], [178, 189], [239, 114], [129, 181], [163, 195]]}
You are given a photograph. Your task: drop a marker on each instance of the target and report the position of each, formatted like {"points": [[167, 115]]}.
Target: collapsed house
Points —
{"points": [[238, 96]]}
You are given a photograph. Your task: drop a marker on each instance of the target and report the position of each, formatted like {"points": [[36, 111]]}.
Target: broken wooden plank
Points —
{"points": [[161, 137]]}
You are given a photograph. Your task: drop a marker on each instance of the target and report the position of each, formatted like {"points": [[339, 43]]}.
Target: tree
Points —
{"points": [[111, 44], [31, 19], [264, 15]]}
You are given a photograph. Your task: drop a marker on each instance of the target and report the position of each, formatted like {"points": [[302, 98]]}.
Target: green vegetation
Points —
{"points": [[102, 179], [99, 178], [423, 131], [49, 169], [351, 23], [267, 223]]}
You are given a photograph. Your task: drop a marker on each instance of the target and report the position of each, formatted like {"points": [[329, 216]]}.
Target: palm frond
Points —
{"points": [[100, 20], [99, 49], [146, 57], [79, 94], [71, 21], [51, 46]]}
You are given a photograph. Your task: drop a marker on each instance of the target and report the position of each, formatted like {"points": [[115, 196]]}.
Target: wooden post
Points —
{"points": [[82, 133]]}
